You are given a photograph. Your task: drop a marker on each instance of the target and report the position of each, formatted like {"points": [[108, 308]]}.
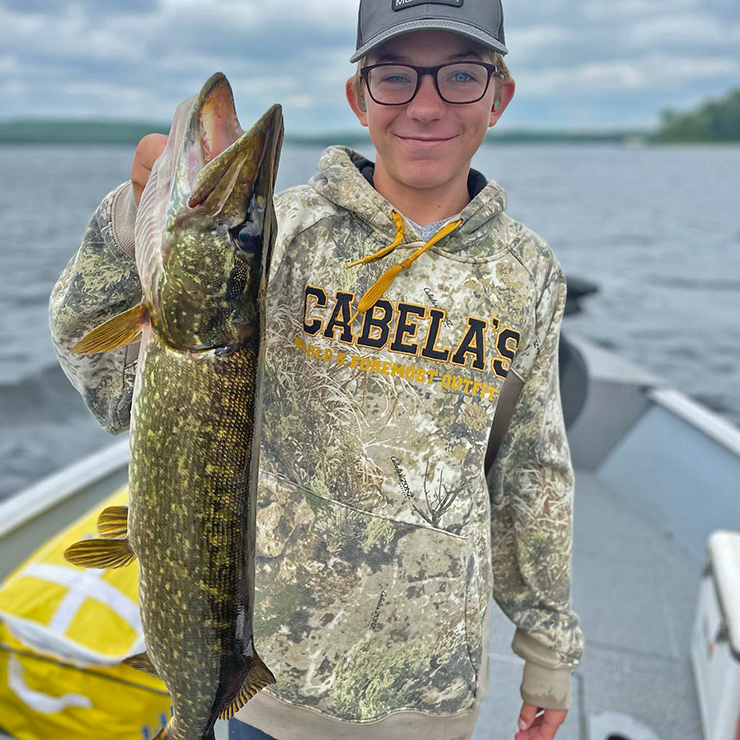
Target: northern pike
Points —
{"points": [[204, 236]]}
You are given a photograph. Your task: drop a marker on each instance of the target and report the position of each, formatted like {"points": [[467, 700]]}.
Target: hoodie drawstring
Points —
{"points": [[385, 250], [375, 292]]}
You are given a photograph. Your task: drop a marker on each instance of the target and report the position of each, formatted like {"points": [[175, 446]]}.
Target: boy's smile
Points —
{"points": [[427, 144]]}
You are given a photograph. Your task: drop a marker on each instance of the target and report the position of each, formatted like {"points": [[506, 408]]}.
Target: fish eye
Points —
{"points": [[248, 238]]}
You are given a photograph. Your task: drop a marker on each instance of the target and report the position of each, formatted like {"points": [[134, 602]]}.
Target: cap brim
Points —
{"points": [[465, 29]]}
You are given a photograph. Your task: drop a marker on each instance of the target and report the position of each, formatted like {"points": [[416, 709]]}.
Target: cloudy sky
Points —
{"points": [[578, 64]]}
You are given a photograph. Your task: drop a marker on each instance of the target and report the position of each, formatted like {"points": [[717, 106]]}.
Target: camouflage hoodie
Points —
{"points": [[381, 534]]}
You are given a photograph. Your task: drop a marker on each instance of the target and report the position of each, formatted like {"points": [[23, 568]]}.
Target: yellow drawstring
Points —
{"points": [[374, 293], [385, 250]]}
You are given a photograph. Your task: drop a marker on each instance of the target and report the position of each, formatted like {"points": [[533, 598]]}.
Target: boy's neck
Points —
{"points": [[423, 205]]}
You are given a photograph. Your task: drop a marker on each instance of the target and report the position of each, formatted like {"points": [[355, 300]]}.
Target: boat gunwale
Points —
{"points": [[52, 490], [698, 416]]}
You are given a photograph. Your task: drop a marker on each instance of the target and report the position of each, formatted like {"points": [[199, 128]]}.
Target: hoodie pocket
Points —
{"points": [[358, 615]]}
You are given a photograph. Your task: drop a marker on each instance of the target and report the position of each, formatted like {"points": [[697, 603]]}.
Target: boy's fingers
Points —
{"points": [[538, 730], [536, 723], [147, 152], [526, 715], [544, 727]]}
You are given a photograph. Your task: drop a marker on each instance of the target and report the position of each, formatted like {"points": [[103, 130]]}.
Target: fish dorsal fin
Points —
{"points": [[142, 662], [100, 553], [116, 332], [258, 677], [113, 522]]}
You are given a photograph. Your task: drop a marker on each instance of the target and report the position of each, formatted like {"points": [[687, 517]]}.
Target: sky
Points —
{"points": [[577, 64]]}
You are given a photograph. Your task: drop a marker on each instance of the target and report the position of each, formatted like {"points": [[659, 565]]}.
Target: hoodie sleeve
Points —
{"points": [[531, 485], [100, 282]]}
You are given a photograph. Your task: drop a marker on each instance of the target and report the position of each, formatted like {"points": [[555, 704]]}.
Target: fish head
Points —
{"points": [[205, 258]]}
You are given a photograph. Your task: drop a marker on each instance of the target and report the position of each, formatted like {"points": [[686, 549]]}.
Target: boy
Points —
{"points": [[391, 506]]}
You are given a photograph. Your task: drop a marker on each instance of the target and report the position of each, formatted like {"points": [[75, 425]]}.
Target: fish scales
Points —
{"points": [[192, 532], [204, 235]]}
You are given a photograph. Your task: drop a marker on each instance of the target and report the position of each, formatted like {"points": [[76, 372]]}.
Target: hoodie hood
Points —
{"points": [[345, 178]]}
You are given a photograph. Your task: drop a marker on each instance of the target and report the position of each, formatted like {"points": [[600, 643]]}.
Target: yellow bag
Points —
{"points": [[64, 632]]}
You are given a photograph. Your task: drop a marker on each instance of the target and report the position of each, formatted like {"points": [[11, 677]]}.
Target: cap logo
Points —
{"points": [[401, 4]]}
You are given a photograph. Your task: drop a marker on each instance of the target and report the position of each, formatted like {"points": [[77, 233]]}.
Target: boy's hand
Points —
{"points": [[542, 727], [147, 151]]}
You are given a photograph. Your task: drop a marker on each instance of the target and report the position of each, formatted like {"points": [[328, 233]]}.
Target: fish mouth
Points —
{"points": [[213, 122], [225, 167]]}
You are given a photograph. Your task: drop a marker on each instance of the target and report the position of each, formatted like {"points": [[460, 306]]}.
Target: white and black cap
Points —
{"points": [[381, 20]]}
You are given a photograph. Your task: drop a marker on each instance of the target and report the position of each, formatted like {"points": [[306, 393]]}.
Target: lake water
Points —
{"points": [[657, 228]]}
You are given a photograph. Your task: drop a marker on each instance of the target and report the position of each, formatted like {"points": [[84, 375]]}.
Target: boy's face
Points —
{"points": [[427, 142]]}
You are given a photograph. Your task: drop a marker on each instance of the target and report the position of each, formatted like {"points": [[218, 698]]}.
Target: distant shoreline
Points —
{"points": [[717, 122], [129, 133]]}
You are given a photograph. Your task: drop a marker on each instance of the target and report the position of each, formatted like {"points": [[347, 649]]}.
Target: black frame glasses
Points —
{"points": [[433, 71]]}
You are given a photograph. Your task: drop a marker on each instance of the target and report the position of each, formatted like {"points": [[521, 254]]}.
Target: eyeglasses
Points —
{"points": [[456, 82]]}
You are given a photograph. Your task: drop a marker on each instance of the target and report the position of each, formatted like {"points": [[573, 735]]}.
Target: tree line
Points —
{"points": [[717, 120]]}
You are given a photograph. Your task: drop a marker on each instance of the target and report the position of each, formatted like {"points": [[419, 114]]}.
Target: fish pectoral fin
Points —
{"points": [[116, 332], [142, 662], [101, 553], [113, 522], [258, 677]]}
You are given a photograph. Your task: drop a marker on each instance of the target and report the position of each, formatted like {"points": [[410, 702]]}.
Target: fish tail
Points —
{"points": [[167, 732]]}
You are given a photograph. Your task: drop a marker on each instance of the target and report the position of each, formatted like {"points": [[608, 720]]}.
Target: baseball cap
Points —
{"points": [[380, 20]]}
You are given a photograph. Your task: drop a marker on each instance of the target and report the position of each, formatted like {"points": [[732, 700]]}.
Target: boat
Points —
{"points": [[656, 473]]}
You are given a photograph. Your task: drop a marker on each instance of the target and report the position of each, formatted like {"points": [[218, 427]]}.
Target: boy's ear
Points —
{"points": [[504, 98], [356, 102]]}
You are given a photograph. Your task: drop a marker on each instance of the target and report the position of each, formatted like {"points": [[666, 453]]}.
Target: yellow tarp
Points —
{"points": [[63, 634]]}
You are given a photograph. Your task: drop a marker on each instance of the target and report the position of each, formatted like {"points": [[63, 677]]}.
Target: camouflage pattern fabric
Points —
{"points": [[380, 541], [99, 282]]}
